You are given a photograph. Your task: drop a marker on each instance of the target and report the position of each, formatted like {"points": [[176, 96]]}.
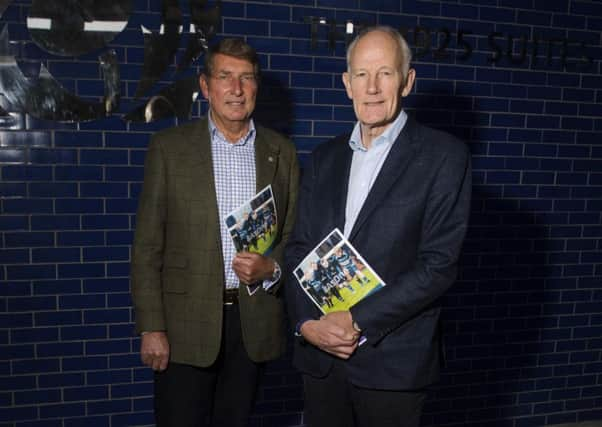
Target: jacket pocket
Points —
{"points": [[175, 277]]}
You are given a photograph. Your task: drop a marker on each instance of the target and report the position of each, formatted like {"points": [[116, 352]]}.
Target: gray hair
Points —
{"points": [[404, 52], [235, 47]]}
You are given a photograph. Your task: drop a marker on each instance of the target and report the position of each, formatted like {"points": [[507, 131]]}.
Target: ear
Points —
{"points": [[409, 83], [347, 82], [204, 86]]}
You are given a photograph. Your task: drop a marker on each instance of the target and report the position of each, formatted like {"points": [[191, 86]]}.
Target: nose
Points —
{"points": [[237, 86], [373, 84]]}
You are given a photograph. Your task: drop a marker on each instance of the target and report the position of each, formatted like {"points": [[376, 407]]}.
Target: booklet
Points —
{"points": [[253, 226], [334, 275]]}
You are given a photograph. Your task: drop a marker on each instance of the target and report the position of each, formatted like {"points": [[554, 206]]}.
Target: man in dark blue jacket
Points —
{"points": [[401, 193]]}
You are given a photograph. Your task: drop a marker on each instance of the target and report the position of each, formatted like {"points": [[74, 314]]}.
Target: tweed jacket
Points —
{"points": [[177, 268]]}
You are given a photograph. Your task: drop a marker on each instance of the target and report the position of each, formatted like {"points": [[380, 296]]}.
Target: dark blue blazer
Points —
{"points": [[410, 230]]}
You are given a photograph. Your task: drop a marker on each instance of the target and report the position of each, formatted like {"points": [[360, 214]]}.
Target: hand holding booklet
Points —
{"points": [[253, 226], [334, 275]]}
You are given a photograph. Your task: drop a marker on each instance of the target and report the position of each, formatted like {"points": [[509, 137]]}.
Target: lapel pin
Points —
{"points": [[270, 159]]}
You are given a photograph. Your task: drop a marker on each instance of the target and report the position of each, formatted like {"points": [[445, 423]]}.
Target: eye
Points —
{"points": [[247, 78]]}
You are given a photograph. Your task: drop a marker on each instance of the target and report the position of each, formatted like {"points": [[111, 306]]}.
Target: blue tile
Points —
{"points": [[104, 157], [314, 80], [49, 255], [268, 12], [80, 205], [69, 271], [86, 393], [60, 349], [239, 27], [26, 173], [126, 140], [78, 173], [89, 189], [80, 238], [66, 410], [27, 239], [55, 156], [10, 155], [108, 253], [58, 318], [14, 256], [83, 332], [78, 139], [24, 139], [14, 223]]}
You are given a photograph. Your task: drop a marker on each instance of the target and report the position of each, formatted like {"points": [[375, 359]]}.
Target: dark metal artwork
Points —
{"points": [[174, 100], [44, 98], [110, 72], [204, 24], [160, 48], [75, 27], [3, 5], [10, 120]]}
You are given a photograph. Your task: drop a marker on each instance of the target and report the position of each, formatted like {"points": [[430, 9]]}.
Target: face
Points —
{"points": [[374, 82], [231, 91]]}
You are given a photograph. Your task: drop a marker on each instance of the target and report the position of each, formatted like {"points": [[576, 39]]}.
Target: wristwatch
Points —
{"points": [[277, 272]]}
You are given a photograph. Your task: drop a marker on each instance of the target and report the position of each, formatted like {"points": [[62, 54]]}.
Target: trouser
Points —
{"points": [[333, 401], [218, 396]]}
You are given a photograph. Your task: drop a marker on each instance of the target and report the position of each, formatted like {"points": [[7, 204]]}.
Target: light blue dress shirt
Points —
{"points": [[235, 184], [366, 164]]}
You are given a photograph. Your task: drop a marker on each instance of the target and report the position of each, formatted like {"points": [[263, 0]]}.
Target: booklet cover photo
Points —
{"points": [[334, 275]]}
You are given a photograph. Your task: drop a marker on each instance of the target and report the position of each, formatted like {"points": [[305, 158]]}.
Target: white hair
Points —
{"points": [[404, 52]]}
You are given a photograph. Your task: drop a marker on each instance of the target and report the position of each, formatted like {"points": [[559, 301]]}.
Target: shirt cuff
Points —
{"points": [[299, 325], [268, 283]]}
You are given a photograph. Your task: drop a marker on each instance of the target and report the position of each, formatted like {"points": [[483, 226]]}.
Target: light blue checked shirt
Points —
{"points": [[366, 164], [234, 172], [235, 184]]}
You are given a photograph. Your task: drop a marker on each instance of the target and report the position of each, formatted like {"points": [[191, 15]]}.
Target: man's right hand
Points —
{"points": [[154, 350], [330, 337]]}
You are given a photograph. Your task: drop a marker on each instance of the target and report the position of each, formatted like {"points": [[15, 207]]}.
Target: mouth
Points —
{"points": [[373, 103]]}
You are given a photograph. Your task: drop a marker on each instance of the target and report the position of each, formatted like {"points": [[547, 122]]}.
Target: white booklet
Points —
{"points": [[253, 226], [334, 275]]}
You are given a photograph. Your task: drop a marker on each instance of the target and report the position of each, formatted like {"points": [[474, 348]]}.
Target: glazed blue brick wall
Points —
{"points": [[523, 324]]}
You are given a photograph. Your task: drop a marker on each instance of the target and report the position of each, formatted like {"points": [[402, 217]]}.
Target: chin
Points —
{"points": [[375, 122]]}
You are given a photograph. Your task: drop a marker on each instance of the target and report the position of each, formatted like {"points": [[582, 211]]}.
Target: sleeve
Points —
{"points": [[443, 228], [147, 249], [298, 304]]}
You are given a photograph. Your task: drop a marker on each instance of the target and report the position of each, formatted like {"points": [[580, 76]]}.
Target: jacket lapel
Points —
{"points": [[202, 168], [201, 147], [340, 182], [395, 165], [266, 161]]}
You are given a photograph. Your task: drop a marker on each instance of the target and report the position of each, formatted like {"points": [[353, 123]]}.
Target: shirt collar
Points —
{"points": [[217, 135], [387, 137]]}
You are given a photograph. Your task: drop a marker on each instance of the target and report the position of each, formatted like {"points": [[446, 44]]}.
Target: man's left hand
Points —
{"points": [[344, 320], [252, 268]]}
